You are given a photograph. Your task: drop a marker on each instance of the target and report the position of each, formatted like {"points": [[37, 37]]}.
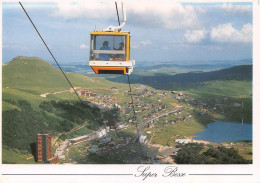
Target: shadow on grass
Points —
{"points": [[34, 151]]}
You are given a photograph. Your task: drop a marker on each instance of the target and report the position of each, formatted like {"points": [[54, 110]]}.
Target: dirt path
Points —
{"points": [[44, 95]]}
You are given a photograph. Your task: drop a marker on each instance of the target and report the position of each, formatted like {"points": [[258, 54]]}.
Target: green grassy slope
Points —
{"points": [[9, 106], [37, 76], [24, 72], [16, 157], [16, 95], [28, 77], [226, 88], [24, 111]]}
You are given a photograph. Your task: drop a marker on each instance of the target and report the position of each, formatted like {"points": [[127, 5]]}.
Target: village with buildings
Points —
{"points": [[152, 109]]}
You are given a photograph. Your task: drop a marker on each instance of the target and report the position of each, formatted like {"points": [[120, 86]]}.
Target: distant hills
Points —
{"points": [[188, 80], [213, 64], [39, 75], [243, 72], [162, 67], [247, 61]]}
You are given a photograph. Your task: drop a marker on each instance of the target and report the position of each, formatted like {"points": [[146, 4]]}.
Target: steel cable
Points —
{"points": [[135, 118], [58, 65], [132, 102]]}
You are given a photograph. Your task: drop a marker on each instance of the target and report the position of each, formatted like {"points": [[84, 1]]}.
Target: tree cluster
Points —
{"points": [[191, 153], [20, 127]]}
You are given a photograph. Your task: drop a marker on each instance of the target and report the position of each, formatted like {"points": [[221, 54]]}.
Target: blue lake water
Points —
{"points": [[221, 131]]}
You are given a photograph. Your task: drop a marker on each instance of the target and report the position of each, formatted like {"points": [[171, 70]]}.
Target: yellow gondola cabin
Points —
{"points": [[110, 50], [110, 53]]}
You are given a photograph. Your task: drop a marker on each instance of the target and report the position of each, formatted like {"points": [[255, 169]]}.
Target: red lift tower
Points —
{"points": [[43, 147]]}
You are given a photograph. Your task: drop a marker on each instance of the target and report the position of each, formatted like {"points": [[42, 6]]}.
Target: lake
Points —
{"points": [[222, 131]]}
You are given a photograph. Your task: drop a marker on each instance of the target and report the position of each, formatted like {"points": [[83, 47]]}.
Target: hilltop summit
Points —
{"points": [[35, 73], [31, 71]]}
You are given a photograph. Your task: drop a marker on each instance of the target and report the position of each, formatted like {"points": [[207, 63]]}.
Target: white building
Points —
{"points": [[143, 139], [79, 139], [118, 106], [62, 157], [183, 141], [122, 126], [149, 132], [101, 132]]}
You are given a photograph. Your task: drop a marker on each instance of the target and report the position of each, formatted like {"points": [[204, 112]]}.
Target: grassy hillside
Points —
{"points": [[25, 113], [226, 88], [10, 156], [25, 78], [37, 75], [25, 72]]}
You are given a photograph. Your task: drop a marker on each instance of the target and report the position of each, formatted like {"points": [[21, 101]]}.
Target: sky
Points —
{"points": [[160, 32]]}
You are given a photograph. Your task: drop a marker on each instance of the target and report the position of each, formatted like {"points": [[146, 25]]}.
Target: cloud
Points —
{"points": [[227, 33], [200, 9], [214, 47], [83, 46], [146, 13], [237, 9], [14, 46], [140, 44], [195, 36], [165, 47], [28, 5], [84, 9], [134, 45], [145, 43], [167, 15]]}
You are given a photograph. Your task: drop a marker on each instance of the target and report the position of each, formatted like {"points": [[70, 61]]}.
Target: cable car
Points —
{"points": [[110, 50]]}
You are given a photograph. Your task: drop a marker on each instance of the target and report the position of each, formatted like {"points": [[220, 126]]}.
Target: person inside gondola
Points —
{"points": [[104, 47], [121, 46], [120, 57]]}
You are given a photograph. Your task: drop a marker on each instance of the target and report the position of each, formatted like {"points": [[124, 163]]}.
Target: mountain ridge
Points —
{"points": [[188, 80]]}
